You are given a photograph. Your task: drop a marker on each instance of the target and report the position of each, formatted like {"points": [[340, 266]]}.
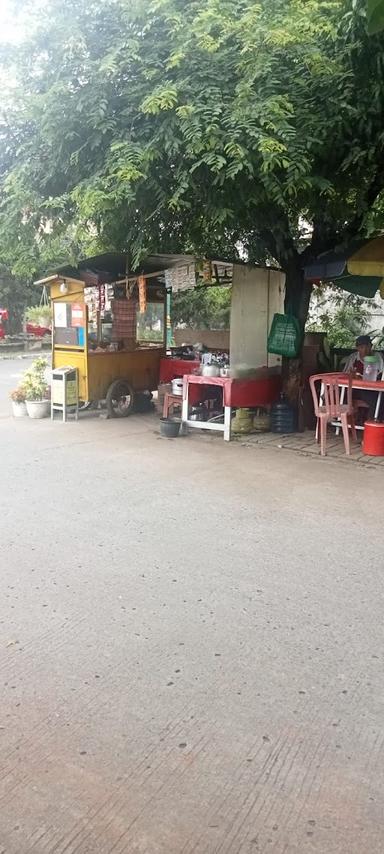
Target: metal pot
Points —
{"points": [[199, 413], [177, 386], [210, 371]]}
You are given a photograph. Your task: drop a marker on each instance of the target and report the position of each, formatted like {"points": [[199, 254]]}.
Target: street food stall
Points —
{"points": [[247, 377], [110, 324], [99, 328]]}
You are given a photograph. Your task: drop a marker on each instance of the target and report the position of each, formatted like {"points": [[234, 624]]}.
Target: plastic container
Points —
{"points": [[373, 440], [371, 368], [283, 417]]}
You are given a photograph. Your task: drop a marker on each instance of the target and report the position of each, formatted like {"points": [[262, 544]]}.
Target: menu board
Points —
{"points": [[69, 324], [61, 314], [78, 314]]}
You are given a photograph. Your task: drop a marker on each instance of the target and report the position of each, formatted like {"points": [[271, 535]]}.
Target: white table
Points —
{"points": [[366, 385]]}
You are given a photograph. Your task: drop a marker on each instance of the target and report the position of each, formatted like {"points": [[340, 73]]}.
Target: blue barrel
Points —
{"points": [[283, 417]]}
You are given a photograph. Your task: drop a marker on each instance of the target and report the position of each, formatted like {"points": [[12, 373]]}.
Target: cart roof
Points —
{"points": [[114, 265]]}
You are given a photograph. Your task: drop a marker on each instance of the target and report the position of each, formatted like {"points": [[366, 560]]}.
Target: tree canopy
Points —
{"points": [[202, 125]]}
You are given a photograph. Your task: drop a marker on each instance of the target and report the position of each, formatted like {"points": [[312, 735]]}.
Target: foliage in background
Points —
{"points": [[202, 308], [15, 293], [175, 126], [343, 317], [150, 324]]}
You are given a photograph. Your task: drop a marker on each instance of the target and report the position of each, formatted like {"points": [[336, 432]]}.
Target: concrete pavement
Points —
{"points": [[191, 646]]}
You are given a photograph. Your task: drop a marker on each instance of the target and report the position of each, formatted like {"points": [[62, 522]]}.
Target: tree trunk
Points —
{"points": [[297, 297], [297, 291]]}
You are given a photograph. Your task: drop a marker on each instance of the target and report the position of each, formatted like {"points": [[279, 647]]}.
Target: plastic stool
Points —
{"points": [[171, 400], [373, 441]]}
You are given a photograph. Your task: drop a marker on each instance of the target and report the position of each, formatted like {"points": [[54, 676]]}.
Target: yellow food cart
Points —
{"points": [[99, 327]]}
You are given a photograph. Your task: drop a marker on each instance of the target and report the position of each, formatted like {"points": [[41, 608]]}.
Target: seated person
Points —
{"points": [[364, 400], [355, 362]]}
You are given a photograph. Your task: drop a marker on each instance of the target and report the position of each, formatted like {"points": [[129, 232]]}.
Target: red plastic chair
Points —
{"points": [[330, 408]]}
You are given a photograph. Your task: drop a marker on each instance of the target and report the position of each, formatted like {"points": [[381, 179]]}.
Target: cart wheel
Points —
{"points": [[120, 399]]}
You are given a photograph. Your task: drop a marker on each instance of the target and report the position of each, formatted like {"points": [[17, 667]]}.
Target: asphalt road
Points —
{"points": [[191, 645]]}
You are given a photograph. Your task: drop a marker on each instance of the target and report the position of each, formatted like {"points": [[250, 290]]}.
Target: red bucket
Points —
{"points": [[373, 441]]}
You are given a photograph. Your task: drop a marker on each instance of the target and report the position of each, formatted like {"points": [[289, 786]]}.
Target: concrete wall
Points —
{"points": [[257, 294], [217, 339]]}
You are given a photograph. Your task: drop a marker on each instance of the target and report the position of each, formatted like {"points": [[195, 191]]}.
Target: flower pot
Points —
{"points": [[19, 409], [38, 408]]}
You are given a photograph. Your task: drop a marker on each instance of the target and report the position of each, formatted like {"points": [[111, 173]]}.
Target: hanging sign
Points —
{"points": [[142, 294], [60, 315], [180, 278], [78, 314]]}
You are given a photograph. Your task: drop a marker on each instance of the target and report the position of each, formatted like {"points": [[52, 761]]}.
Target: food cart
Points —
{"points": [[97, 317]]}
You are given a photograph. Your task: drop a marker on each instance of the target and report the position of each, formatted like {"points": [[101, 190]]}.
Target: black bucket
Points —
{"points": [[169, 428]]}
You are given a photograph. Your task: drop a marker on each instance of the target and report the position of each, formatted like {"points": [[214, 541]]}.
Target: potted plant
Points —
{"points": [[39, 316], [19, 408], [36, 391]]}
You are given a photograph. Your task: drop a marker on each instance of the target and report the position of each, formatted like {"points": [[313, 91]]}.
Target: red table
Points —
{"points": [[239, 393], [170, 369]]}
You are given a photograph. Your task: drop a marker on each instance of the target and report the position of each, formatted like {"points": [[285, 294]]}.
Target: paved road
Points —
{"points": [[191, 646]]}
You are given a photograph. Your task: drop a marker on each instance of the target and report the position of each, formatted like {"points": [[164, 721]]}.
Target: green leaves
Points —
{"points": [[160, 99], [375, 14], [176, 125]]}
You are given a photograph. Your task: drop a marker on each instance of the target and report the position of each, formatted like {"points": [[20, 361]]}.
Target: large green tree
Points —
{"points": [[191, 124]]}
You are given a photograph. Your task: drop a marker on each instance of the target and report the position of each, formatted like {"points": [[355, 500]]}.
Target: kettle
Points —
{"points": [[210, 370]]}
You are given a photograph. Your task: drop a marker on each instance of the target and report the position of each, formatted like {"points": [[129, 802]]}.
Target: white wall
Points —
{"points": [[257, 294]]}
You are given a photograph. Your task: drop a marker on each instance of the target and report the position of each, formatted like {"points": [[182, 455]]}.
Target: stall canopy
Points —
{"points": [[357, 268], [176, 272]]}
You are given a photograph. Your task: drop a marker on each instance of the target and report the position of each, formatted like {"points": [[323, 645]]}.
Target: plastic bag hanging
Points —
{"points": [[285, 336]]}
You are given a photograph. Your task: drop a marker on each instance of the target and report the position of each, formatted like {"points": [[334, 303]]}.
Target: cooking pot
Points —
{"points": [[210, 371], [199, 413], [177, 386]]}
